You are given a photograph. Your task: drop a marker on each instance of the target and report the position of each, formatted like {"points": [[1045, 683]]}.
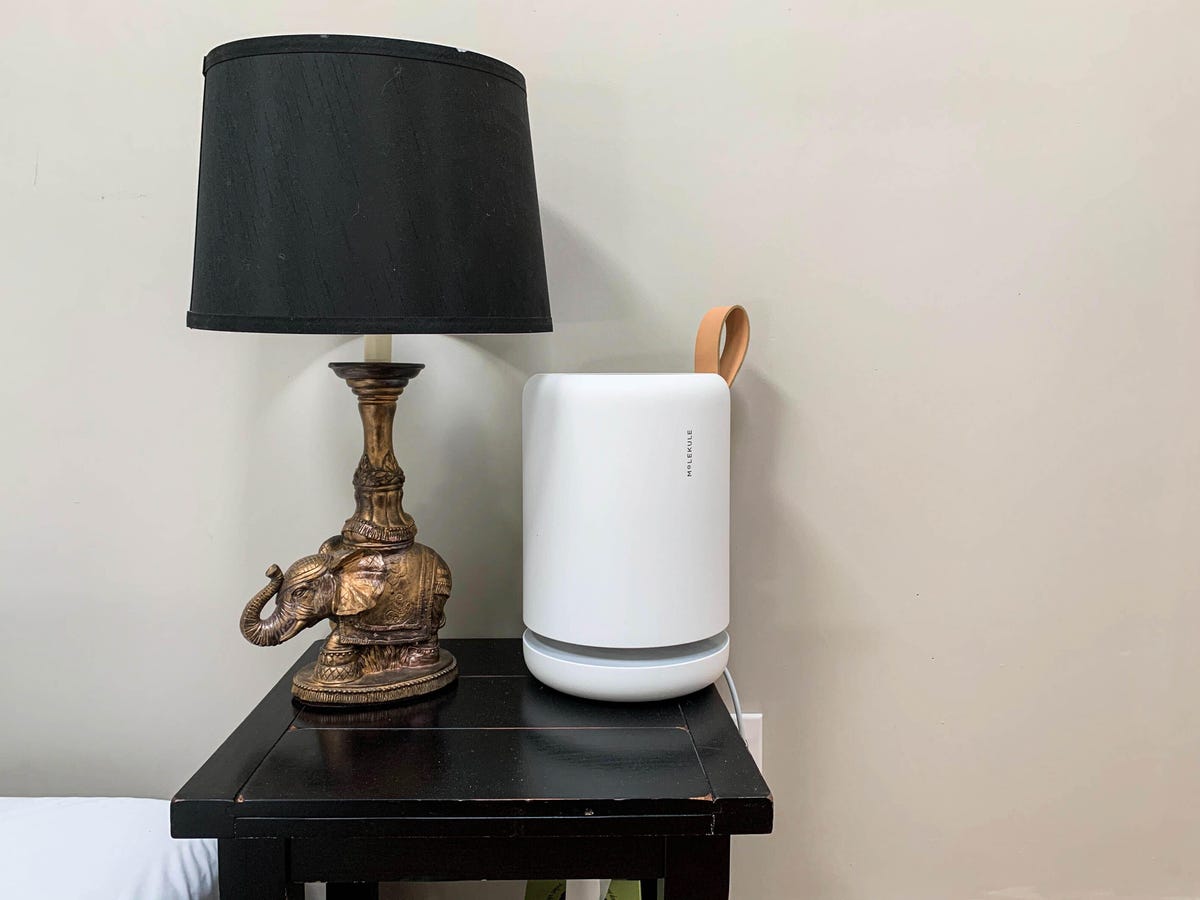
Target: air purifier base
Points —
{"points": [[626, 675]]}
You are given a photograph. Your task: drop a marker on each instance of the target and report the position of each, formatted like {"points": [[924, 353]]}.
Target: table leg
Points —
{"points": [[252, 869], [350, 890], [696, 868]]}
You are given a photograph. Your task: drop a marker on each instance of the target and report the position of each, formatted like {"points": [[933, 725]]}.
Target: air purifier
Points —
{"points": [[626, 524]]}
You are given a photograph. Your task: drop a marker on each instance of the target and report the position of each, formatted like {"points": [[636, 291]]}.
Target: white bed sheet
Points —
{"points": [[100, 848]]}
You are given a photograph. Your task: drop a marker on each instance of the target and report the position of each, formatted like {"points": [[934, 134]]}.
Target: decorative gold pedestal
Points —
{"points": [[383, 593]]}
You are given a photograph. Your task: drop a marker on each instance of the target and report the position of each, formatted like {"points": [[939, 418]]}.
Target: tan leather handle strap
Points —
{"points": [[734, 321]]}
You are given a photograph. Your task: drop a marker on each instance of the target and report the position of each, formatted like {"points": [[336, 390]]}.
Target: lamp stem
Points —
{"points": [[377, 348], [379, 518]]}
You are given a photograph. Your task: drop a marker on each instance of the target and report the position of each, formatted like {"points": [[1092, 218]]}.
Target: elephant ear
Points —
{"points": [[360, 576]]}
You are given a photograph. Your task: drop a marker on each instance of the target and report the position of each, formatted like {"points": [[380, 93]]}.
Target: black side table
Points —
{"points": [[497, 777]]}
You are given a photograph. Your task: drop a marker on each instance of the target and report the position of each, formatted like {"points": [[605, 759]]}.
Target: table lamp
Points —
{"points": [[363, 185]]}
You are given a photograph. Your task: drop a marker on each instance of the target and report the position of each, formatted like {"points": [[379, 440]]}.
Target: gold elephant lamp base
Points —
{"points": [[383, 593]]}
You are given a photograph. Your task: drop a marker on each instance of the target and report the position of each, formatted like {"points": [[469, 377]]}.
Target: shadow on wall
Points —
{"points": [[302, 439], [602, 319], [477, 435], [756, 508], [812, 614]]}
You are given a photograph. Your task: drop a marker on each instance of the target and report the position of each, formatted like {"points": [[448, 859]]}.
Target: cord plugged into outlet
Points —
{"points": [[749, 725], [752, 734]]}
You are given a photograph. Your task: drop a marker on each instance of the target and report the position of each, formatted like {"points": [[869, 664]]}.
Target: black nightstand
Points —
{"points": [[496, 777]]}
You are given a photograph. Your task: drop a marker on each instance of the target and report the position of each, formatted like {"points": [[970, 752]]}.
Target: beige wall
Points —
{"points": [[967, 454]]}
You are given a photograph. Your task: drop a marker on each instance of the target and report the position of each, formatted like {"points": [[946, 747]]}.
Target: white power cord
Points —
{"points": [[737, 703]]}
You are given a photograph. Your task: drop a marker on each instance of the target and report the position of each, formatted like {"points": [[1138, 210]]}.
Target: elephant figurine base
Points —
{"points": [[398, 682]]}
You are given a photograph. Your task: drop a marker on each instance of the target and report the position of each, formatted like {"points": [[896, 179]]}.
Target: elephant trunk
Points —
{"points": [[268, 631]]}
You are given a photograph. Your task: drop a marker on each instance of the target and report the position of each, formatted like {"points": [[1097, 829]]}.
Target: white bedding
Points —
{"points": [[99, 848]]}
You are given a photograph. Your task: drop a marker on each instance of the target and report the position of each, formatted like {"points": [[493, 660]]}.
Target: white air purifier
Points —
{"points": [[626, 525]]}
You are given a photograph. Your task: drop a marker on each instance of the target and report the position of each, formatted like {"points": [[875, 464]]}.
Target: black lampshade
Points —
{"points": [[361, 185]]}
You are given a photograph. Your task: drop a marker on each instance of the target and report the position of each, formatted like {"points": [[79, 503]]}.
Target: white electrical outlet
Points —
{"points": [[752, 726]]}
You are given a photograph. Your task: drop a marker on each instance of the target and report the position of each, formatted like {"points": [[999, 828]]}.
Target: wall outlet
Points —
{"points": [[752, 726]]}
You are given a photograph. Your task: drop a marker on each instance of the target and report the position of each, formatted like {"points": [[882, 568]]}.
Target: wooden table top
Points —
{"points": [[496, 754]]}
